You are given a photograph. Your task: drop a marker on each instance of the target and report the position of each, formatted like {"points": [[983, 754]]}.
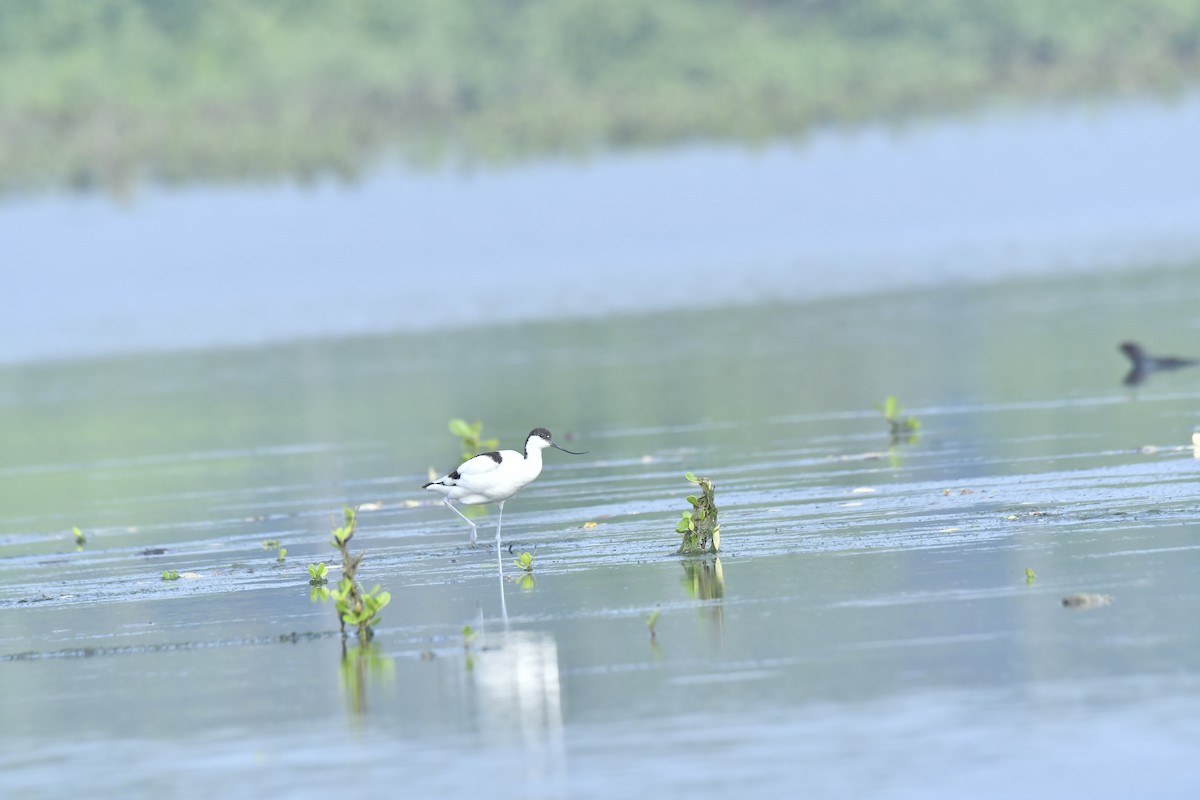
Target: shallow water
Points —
{"points": [[868, 628]]}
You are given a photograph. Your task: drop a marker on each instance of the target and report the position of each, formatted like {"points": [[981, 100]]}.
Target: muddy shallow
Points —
{"points": [[868, 628]]}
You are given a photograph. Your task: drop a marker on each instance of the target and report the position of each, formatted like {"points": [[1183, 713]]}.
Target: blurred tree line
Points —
{"points": [[114, 91]]}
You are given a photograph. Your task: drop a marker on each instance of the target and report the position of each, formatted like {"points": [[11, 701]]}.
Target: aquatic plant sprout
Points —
{"points": [[699, 526]]}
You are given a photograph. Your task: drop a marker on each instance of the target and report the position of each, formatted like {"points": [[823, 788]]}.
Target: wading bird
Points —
{"points": [[494, 477], [1143, 364]]}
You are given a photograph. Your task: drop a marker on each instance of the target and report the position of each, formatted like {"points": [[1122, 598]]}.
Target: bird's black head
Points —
{"points": [[544, 435], [1133, 350]]}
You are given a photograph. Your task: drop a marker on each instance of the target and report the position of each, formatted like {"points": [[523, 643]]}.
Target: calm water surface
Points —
{"points": [[868, 629]]}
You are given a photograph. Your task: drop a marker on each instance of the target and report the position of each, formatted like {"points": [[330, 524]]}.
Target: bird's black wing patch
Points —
{"points": [[454, 475], [494, 456]]}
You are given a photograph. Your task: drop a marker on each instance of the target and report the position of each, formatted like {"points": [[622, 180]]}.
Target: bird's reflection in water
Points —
{"points": [[518, 704]]}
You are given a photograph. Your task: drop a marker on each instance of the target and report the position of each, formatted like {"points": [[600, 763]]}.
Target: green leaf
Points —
{"points": [[691, 477], [890, 406], [682, 527], [687, 515], [691, 498], [462, 429]]}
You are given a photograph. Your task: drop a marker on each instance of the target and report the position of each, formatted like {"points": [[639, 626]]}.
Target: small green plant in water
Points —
{"points": [[170, 575], [906, 427], [525, 561], [651, 621], [80, 539], [270, 544], [471, 435], [317, 573], [282, 555], [1029, 576], [699, 526], [469, 636], [355, 606]]}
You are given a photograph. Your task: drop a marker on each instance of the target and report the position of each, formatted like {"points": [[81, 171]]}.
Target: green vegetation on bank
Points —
{"points": [[111, 91]]}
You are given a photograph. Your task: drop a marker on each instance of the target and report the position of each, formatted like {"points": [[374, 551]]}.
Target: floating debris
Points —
{"points": [[1086, 600]]}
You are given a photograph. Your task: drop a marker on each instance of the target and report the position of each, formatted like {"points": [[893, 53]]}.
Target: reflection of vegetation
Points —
{"points": [[360, 663], [905, 427], [80, 539], [108, 90], [471, 434], [1029, 576], [699, 526], [704, 579]]}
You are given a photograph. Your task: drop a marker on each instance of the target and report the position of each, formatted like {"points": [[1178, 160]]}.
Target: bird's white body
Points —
{"points": [[491, 477], [494, 477]]}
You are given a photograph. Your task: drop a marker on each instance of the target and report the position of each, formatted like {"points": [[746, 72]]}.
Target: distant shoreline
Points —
{"points": [[111, 94]]}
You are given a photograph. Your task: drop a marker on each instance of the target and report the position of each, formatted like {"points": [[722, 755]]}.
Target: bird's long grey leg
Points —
{"points": [[499, 520], [503, 602], [474, 531]]}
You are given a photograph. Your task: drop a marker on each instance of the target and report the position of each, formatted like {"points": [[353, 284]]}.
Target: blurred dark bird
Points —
{"points": [[1143, 364]]}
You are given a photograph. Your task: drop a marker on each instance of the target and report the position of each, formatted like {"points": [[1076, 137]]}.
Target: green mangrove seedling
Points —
{"points": [[170, 575], [354, 605], [317, 573], [80, 539], [282, 555], [469, 635], [525, 561], [651, 621], [908, 426], [1029, 576], [471, 435], [699, 526]]}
